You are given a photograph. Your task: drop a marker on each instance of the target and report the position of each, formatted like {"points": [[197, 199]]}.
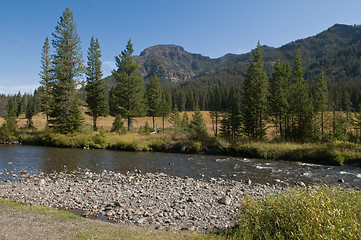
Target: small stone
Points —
{"points": [[188, 227], [41, 182], [141, 221], [225, 200], [190, 200], [302, 184]]}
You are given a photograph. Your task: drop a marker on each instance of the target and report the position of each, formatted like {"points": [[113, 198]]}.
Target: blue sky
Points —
{"points": [[209, 27]]}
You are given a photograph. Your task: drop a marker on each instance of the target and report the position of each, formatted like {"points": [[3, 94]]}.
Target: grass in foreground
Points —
{"points": [[319, 212], [71, 226]]}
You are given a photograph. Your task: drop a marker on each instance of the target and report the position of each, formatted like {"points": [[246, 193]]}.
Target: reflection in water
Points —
{"points": [[262, 171]]}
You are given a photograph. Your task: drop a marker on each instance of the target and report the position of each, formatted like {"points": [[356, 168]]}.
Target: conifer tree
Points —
{"points": [[175, 120], [164, 107], [95, 84], [254, 99], [118, 125], [278, 97], [185, 125], [66, 68], [321, 99], [154, 96], [129, 91], [231, 122], [46, 83], [198, 126], [75, 119], [300, 104], [30, 112], [215, 108], [8, 130]]}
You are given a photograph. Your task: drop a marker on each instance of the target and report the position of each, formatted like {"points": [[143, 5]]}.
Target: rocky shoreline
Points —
{"points": [[152, 200]]}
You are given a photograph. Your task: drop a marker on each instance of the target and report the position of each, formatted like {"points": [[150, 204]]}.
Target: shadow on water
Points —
{"points": [[47, 159]]}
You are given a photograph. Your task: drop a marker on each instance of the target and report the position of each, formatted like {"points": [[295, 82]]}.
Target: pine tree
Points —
{"points": [[8, 130], [231, 122], [300, 104], [278, 97], [75, 119], [129, 90], [118, 125], [95, 84], [30, 112], [215, 107], [185, 125], [198, 126], [46, 83], [175, 120], [321, 99], [154, 95], [66, 68], [255, 94], [164, 107]]}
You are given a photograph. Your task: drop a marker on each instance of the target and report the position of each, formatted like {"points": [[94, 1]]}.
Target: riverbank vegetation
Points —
{"points": [[318, 212], [274, 114]]}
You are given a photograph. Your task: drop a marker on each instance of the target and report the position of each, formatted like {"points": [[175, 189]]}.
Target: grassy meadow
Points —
{"points": [[332, 153]]}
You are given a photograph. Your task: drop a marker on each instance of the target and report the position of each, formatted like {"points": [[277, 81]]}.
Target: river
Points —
{"points": [[47, 159]]}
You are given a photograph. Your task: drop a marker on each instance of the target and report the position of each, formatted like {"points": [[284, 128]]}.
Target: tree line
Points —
{"points": [[300, 111]]}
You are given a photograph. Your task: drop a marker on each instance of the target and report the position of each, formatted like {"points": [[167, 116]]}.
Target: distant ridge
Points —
{"points": [[336, 50]]}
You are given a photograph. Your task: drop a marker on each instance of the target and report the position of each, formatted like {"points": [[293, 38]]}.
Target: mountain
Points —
{"points": [[336, 50]]}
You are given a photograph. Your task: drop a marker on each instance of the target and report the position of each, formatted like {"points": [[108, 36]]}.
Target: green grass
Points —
{"points": [[54, 213], [64, 223], [317, 213], [337, 153], [330, 154]]}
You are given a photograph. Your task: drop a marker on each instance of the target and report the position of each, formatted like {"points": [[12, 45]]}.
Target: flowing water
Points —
{"points": [[47, 159]]}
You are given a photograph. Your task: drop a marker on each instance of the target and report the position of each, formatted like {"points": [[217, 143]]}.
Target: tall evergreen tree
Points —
{"points": [[300, 104], [129, 91], [321, 99], [8, 130], [175, 121], [215, 107], [30, 112], [278, 97], [255, 93], [154, 97], [66, 68], [95, 84], [231, 122], [164, 107], [46, 83]]}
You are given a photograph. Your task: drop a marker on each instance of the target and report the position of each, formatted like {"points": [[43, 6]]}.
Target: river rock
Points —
{"points": [[225, 200], [149, 199], [41, 182]]}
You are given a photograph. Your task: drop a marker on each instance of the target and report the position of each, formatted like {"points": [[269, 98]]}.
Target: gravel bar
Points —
{"points": [[152, 200]]}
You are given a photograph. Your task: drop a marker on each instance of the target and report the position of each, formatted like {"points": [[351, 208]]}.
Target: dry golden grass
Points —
{"points": [[106, 122]]}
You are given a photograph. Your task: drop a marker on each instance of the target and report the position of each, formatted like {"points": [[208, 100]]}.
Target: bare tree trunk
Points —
{"points": [[95, 123]]}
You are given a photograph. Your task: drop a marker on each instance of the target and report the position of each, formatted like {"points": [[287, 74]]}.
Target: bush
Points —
{"points": [[319, 212], [145, 130], [118, 125]]}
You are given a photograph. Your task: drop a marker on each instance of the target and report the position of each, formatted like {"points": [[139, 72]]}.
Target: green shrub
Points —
{"points": [[319, 212], [145, 130]]}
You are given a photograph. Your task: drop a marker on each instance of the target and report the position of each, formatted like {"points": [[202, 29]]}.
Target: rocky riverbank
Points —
{"points": [[153, 200]]}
